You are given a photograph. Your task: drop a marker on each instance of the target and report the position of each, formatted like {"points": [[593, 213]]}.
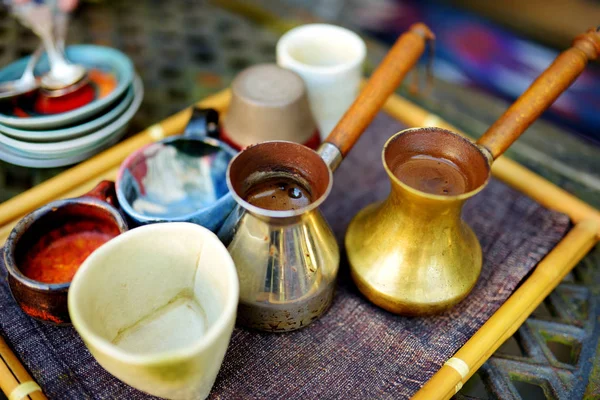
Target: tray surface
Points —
{"points": [[356, 350]]}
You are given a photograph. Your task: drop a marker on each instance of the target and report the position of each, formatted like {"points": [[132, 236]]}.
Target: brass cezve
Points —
{"points": [[412, 254]]}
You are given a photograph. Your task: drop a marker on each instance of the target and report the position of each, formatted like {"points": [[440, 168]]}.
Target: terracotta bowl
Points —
{"points": [[45, 227]]}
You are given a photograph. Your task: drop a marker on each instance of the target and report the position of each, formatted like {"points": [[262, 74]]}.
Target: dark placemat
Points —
{"points": [[356, 350]]}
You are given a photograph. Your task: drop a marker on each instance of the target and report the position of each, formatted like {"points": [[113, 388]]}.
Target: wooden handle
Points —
{"points": [[541, 94], [400, 59]]}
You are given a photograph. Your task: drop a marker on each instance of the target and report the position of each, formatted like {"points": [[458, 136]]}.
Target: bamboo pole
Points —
{"points": [[543, 191], [82, 173], [15, 381], [509, 317]]}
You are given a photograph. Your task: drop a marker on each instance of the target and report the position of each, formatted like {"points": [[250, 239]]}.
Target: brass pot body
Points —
{"points": [[412, 254]]}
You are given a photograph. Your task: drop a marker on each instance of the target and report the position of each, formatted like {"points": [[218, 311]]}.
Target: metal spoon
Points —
{"points": [[27, 83], [40, 18], [61, 25]]}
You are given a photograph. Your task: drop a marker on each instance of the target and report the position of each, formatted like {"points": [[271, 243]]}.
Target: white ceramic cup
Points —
{"points": [[156, 307], [329, 59]]}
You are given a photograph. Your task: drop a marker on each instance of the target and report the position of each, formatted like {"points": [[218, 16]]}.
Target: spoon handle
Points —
{"points": [[542, 93], [399, 60], [40, 19], [28, 74]]}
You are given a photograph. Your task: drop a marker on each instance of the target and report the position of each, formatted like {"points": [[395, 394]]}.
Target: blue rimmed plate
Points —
{"points": [[47, 155], [105, 60], [16, 159], [74, 131]]}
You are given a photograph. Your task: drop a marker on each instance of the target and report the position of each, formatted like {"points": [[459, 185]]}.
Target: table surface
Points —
{"points": [[185, 50]]}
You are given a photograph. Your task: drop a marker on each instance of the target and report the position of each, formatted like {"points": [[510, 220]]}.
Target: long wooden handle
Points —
{"points": [[542, 93], [400, 59]]}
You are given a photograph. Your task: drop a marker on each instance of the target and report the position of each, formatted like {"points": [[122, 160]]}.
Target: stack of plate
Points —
{"points": [[44, 141]]}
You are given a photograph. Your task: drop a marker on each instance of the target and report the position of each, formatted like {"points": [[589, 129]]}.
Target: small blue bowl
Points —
{"points": [[91, 56], [179, 179]]}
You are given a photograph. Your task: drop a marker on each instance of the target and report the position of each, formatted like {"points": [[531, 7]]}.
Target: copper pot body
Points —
{"points": [[287, 261], [286, 267]]}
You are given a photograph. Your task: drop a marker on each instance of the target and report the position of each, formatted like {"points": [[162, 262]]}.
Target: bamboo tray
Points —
{"points": [[465, 362]]}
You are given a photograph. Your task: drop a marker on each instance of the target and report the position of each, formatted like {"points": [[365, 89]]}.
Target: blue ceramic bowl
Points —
{"points": [[80, 143], [181, 178], [104, 58], [50, 155], [12, 157], [176, 180]]}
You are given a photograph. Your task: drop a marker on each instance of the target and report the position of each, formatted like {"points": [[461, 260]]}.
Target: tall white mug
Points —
{"points": [[329, 59]]}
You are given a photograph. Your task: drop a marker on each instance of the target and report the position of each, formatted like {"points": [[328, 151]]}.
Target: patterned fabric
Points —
{"points": [[355, 350]]}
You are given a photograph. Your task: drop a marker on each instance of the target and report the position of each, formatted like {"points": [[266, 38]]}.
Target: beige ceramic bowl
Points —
{"points": [[156, 307], [268, 103]]}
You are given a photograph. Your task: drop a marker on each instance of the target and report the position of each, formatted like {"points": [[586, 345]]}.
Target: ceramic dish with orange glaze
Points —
{"points": [[110, 74]]}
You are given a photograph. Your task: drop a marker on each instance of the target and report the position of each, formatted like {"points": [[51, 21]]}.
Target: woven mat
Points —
{"points": [[356, 350]]}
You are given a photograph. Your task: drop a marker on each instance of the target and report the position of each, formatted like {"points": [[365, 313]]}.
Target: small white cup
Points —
{"points": [[156, 307], [329, 59]]}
